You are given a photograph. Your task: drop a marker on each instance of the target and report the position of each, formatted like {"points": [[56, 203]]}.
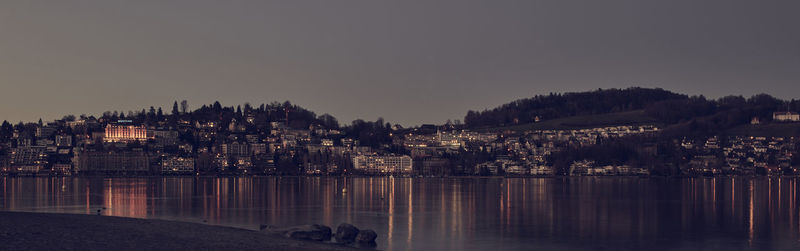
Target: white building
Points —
{"points": [[383, 164], [786, 116], [125, 133]]}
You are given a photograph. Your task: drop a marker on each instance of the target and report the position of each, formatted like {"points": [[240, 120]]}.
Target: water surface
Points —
{"points": [[454, 213]]}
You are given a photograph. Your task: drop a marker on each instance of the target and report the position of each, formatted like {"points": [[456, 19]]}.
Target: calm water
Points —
{"points": [[455, 213]]}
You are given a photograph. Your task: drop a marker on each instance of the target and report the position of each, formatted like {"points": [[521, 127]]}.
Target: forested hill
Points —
{"points": [[556, 105], [681, 113]]}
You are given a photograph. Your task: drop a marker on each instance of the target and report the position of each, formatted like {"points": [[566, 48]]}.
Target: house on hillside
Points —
{"points": [[786, 116]]}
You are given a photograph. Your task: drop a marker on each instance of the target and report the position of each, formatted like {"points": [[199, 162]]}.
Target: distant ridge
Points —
{"points": [[557, 105], [679, 113]]}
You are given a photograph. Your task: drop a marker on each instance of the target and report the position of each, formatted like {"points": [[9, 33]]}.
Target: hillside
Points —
{"points": [[678, 114], [556, 105], [638, 117]]}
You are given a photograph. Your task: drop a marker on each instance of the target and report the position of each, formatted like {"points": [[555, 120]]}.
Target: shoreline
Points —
{"points": [[47, 231]]}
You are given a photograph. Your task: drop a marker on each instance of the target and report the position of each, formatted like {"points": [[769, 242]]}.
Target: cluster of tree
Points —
{"points": [[6, 131], [373, 134], [699, 117], [558, 105], [298, 117]]}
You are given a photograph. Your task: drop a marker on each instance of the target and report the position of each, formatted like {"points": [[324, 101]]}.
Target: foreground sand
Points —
{"points": [[41, 231]]}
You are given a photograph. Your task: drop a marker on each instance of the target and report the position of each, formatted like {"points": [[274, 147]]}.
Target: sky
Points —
{"points": [[410, 62]]}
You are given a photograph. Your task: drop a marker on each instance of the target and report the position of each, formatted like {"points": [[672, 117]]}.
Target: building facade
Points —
{"points": [[63, 140], [383, 164], [177, 165], [102, 162], [786, 116], [125, 133]]}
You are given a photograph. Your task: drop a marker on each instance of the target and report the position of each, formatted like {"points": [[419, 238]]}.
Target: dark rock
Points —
{"points": [[313, 232], [366, 236], [346, 233]]}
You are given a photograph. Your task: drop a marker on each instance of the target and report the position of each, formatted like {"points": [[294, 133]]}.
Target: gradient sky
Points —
{"points": [[410, 62]]}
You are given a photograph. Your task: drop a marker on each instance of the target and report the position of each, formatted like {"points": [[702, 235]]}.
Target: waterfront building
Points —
{"points": [[27, 159], [383, 164], [177, 165], [236, 149], [542, 170], [62, 168], [102, 162]]}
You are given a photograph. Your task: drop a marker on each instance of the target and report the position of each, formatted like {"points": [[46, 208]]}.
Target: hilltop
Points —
{"points": [[677, 113]]}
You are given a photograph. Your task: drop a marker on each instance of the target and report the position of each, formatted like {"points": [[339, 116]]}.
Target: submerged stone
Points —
{"points": [[346, 233]]}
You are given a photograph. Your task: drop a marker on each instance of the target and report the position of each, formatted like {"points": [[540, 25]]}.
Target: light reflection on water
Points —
{"points": [[454, 213]]}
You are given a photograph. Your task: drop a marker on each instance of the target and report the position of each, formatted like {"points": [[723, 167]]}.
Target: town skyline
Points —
{"points": [[442, 120], [632, 131], [400, 125]]}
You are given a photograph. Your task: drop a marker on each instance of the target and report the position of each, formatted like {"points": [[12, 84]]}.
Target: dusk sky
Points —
{"points": [[410, 62]]}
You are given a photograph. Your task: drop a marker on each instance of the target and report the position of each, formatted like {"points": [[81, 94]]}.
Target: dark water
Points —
{"points": [[455, 213]]}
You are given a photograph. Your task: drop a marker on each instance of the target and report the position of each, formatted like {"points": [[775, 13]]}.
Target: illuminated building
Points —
{"points": [[448, 139], [382, 164], [177, 165], [236, 149], [125, 133], [786, 116], [113, 162], [28, 159]]}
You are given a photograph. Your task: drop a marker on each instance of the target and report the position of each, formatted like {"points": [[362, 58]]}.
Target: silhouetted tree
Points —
{"points": [[175, 108], [184, 106]]}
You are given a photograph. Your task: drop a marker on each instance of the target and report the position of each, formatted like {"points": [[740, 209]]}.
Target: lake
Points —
{"points": [[454, 213]]}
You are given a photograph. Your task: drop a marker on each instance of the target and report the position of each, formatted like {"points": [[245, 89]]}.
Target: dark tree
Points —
{"points": [[175, 108], [184, 106]]}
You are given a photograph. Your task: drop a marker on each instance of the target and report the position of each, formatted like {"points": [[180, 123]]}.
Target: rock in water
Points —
{"points": [[366, 236], [313, 232], [321, 233], [346, 233]]}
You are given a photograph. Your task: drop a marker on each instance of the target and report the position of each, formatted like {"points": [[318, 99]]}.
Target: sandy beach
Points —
{"points": [[44, 231]]}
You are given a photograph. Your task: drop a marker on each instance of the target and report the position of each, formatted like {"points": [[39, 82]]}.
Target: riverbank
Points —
{"points": [[45, 231]]}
